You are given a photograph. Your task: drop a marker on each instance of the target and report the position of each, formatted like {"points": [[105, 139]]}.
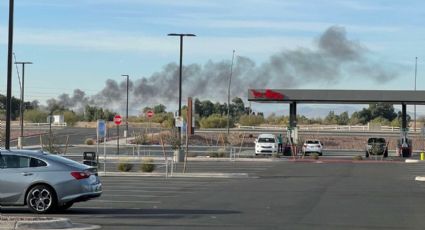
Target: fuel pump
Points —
{"points": [[404, 145]]}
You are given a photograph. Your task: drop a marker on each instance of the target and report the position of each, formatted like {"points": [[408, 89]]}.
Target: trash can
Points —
{"points": [[89, 158]]}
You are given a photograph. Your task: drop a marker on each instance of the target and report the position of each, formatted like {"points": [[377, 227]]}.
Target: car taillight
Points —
{"points": [[80, 175]]}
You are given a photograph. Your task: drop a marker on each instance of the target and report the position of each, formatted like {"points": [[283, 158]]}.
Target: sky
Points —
{"points": [[309, 44]]}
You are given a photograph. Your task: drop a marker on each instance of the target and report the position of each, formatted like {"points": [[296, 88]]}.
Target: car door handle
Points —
{"points": [[27, 174]]}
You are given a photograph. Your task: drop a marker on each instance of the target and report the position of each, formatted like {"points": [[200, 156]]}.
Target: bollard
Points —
{"points": [[422, 156]]}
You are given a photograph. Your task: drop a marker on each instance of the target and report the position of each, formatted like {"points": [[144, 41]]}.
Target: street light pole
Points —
{"points": [[9, 75], [414, 114], [126, 110], [228, 95], [21, 107], [180, 71]]}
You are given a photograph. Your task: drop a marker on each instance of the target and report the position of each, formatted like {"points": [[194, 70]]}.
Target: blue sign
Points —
{"points": [[101, 128]]}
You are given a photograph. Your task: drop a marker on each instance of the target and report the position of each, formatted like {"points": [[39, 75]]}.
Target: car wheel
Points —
{"points": [[65, 206], [41, 199]]}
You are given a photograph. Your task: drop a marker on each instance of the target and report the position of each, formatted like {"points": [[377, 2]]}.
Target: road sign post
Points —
{"points": [[149, 115], [101, 133], [117, 121]]}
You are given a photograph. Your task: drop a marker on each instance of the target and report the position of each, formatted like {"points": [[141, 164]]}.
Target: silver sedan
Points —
{"points": [[45, 182]]}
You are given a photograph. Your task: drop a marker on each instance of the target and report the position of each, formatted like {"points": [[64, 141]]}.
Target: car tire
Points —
{"points": [[64, 206], [41, 199], [320, 154], [386, 154]]}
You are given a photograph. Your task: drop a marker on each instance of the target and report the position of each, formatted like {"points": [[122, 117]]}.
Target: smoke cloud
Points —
{"points": [[333, 59]]}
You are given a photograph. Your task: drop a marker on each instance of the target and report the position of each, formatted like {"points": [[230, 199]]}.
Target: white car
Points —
{"points": [[266, 144], [312, 146]]}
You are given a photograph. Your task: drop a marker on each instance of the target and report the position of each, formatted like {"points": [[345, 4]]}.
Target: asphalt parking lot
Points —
{"points": [[279, 195]]}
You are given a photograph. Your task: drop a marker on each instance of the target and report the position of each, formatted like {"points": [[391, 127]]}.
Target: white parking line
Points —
{"points": [[141, 196], [155, 187], [145, 191], [132, 201]]}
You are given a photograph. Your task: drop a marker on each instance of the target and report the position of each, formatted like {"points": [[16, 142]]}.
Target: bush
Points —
{"points": [[141, 139], [214, 121], [125, 166], [358, 158], [89, 141], [251, 120], [315, 156], [148, 165], [35, 116], [220, 153]]}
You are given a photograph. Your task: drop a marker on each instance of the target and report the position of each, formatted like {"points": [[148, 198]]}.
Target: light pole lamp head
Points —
{"points": [[182, 35], [23, 62]]}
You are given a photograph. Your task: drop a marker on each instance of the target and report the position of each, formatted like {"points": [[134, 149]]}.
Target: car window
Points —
{"points": [[37, 163], [13, 161], [2, 163], [266, 140]]}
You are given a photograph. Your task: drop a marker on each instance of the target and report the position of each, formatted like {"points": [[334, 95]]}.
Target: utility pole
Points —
{"points": [[21, 107], [228, 95], [126, 110], [9, 76]]}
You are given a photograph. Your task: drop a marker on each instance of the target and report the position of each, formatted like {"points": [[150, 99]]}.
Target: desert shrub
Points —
{"points": [[125, 165], [358, 158], [251, 120], [89, 141], [219, 153], [214, 121], [315, 156], [140, 139], [148, 165]]}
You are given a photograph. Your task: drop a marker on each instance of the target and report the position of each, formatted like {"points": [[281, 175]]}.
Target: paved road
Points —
{"points": [[284, 196]]}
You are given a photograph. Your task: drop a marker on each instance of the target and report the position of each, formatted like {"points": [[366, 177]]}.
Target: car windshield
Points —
{"points": [[376, 140], [312, 142], [266, 140]]}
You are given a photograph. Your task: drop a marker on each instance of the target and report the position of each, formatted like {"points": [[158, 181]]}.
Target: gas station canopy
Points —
{"points": [[336, 96]]}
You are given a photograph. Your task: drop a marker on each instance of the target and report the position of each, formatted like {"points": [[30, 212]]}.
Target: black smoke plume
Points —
{"points": [[333, 59]]}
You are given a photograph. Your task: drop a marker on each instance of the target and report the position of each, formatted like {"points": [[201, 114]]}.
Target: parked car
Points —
{"points": [[266, 144], [45, 182], [312, 146], [376, 146]]}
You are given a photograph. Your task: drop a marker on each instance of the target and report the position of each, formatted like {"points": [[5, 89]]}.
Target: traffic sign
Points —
{"points": [[149, 113], [101, 128], [117, 119]]}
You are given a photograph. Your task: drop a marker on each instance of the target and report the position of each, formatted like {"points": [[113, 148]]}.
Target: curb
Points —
{"points": [[411, 161], [420, 178], [50, 224]]}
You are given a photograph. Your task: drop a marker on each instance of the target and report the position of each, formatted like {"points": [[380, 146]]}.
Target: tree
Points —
{"points": [[35, 116], [159, 108], [239, 106], [331, 118], [70, 117], [343, 118], [382, 110]]}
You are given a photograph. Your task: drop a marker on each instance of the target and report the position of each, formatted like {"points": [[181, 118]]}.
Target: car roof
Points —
{"points": [[266, 135], [33, 153]]}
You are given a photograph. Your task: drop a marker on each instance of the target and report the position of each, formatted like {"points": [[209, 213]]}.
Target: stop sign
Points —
{"points": [[149, 113], [117, 119]]}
